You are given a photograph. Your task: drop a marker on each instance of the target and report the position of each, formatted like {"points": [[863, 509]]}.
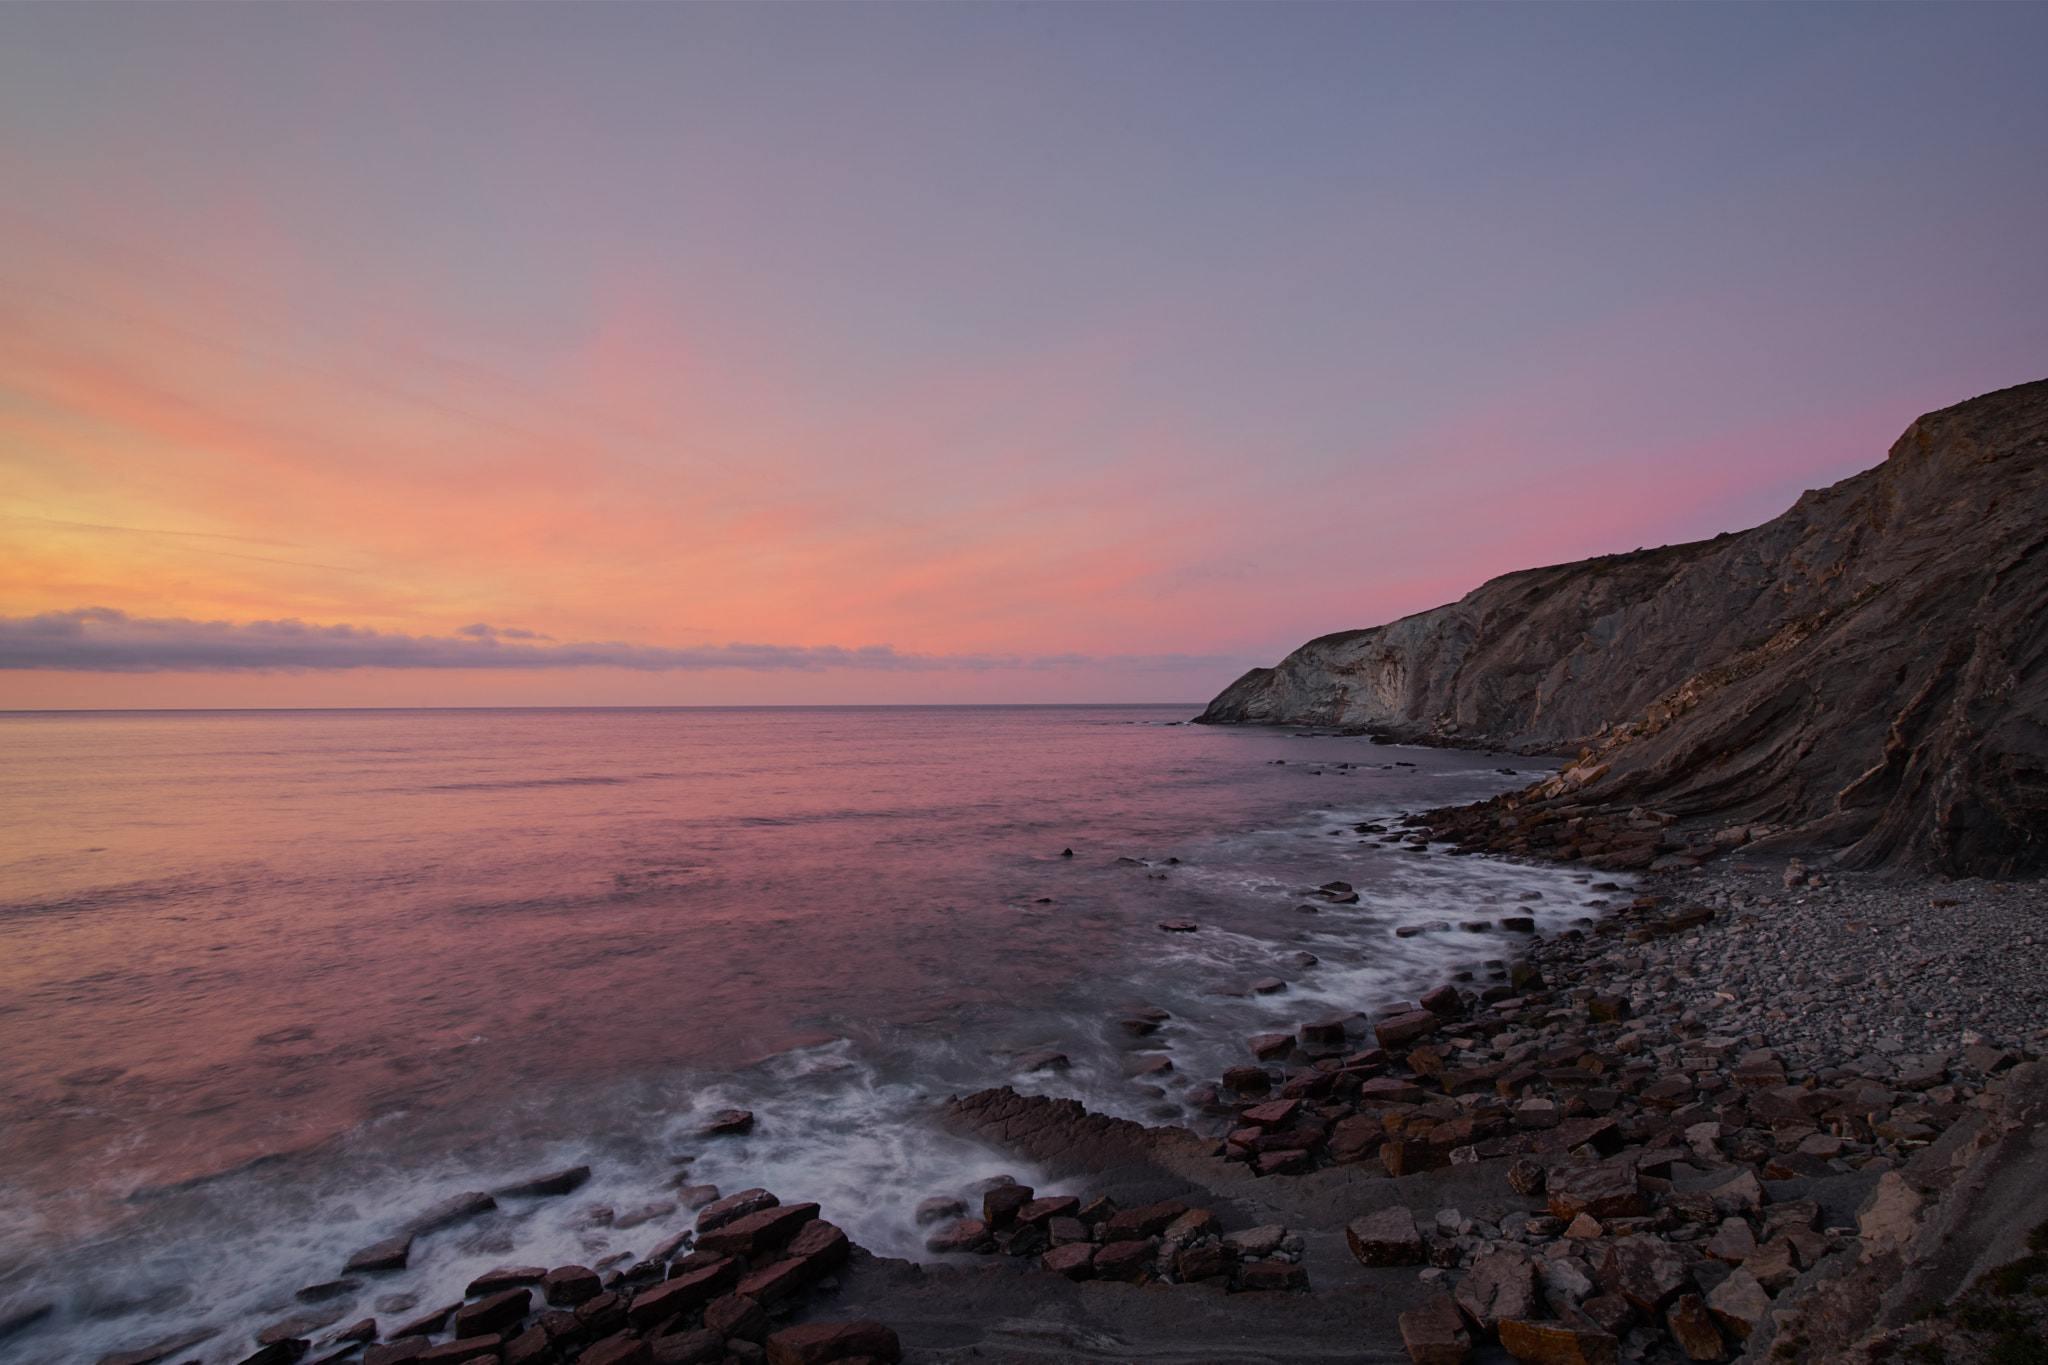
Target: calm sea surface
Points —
{"points": [[272, 981]]}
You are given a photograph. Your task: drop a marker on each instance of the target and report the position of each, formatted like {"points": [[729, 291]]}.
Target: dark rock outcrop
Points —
{"points": [[1870, 668]]}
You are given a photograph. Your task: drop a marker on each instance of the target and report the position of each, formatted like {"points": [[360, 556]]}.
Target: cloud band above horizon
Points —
{"points": [[103, 640]]}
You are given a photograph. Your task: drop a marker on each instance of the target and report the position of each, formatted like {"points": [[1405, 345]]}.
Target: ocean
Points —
{"points": [[272, 982]]}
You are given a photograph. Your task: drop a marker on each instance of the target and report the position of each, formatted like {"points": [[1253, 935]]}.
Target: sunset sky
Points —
{"points": [[712, 354]]}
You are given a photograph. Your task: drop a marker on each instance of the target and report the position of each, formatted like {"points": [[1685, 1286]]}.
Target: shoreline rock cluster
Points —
{"points": [[717, 1295]]}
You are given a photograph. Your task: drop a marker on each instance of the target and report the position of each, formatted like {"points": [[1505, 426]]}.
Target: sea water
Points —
{"points": [[273, 982]]}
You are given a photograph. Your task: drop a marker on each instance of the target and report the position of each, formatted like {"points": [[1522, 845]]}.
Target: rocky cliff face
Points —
{"points": [[1868, 667]]}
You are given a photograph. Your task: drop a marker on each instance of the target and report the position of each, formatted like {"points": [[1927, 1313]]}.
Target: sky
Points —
{"points": [[578, 354]]}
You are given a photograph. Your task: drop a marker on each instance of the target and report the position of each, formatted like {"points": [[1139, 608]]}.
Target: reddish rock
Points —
{"points": [[493, 1315], [694, 1197], [1323, 1033], [1444, 1001], [464, 1348], [1272, 1277], [1355, 1138], [1284, 1162], [568, 1285], [1526, 1177], [1572, 1341], [426, 1324], [1000, 1205], [824, 1245], [782, 1280], [1603, 1190], [1135, 1225], [1409, 1156], [603, 1315], [389, 1254], [1388, 1237], [1740, 1305], [822, 1343], [1075, 1260], [1248, 1080], [736, 1315], [940, 1209], [619, 1351], [1267, 1046], [1434, 1333], [729, 1121], [1673, 1092], [1386, 1090], [1273, 1114], [1204, 1262], [702, 1347], [968, 1235], [1403, 1029], [394, 1352], [723, 1211], [505, 1277], [1124, 1260], [1692, 1327], [1041, 1211], [1611, 1313], [754, 1233], [686, 1291], [532, 1347]]}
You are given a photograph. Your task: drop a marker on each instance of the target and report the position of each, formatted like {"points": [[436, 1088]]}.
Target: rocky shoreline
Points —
{"points": [[1739, 1110]]}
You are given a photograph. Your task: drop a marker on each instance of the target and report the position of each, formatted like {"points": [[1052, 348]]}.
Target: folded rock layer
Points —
{"points": [[1867, 667]]}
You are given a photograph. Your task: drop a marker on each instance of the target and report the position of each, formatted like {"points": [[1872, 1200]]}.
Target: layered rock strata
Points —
{"points": [[1870, 668]]}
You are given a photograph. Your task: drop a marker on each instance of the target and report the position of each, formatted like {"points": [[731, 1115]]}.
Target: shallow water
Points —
{"points": [[273, 981]]}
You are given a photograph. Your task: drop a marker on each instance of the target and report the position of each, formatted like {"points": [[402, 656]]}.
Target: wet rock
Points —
{"points": [[683, 1292], [1064, 1230], [1043, 1061], [394, 1352], [1040, 1211], [321, 1293], [1645, 1271], [491, 1316], [1271, 985], [1569, 1341], [1403, 1029], [531, 1347], [1443, 1001], [1322, 1033], [1124, 1260], [558, 1182], [1386, 1090], [968, 1235], [619, 1351], [1000, 1205], [756, 1232], [1434, 1333], [1179, 926], [300, 1325], [505, 1277], [1248, 1080], [1151, 1066], [1267, 1046], [1135, 1225], [606, 1314], [1204, 1262], [939, 1208], [729, 1121], [427, 1324], [646, 1213], [821, 1245], [568, 1285], [821, 1343], [1692, 1327], [1501, 1284], [736, 1315], [1075, 1260], [723, 1211], [456, 1208], [702, 1347], [389, 1254], [464, 1348], [694, 1197], [1388, 1237], [1190, 1227]]}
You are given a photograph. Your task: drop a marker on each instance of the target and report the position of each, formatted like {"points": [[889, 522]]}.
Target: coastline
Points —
{"points": [[1690, 1016]]}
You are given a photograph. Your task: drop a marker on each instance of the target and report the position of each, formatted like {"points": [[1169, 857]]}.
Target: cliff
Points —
{"points": [[1867, 667]]}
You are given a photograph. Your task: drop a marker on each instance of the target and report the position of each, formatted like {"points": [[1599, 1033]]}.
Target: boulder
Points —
{"points": [[999, 1206], [823, 1245], [685, 1291], [729, 1122], [1434, 1333], [736, 1315], [557, 1182], [753, 1233], [1135, 1225], [1259, 1241], [1272, 1277], [1248, 1080], [723, 1211], [389, 1254], [940, 1208], [618, 1351], [456, 1208], [1501, 1284], [1444, 1001], [694, 1197], [1124, 1260], [1388, 1237], [1692, 1327], [1647, 1272], [493, 1315], [968, 1235], [777, 1281], [1267, 1046], [568, 1285], [1403, 1029], [1602, 1189], [1075, 1260], [1739, 1304], [503, 1278], [1573, 1341], [702, 1347]]}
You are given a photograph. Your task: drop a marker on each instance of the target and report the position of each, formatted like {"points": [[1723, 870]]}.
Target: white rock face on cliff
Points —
{"points": [[1871, 666]]}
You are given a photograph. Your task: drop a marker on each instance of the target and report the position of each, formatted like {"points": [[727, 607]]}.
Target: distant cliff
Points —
{"points": [[1868, 667]]}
